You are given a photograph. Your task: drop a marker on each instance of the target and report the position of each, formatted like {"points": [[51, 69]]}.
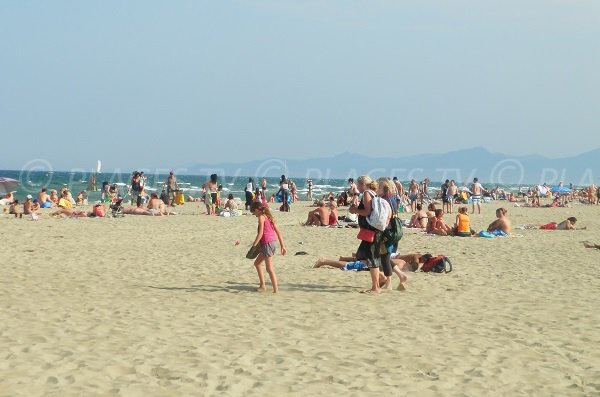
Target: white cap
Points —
{"points": [[29, 197]]}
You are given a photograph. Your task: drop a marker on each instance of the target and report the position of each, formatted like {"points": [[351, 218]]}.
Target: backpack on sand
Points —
{"points": [[437, 264]]}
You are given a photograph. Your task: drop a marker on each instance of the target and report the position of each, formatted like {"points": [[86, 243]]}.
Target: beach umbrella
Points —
{"points": [[8, 185], [560, 190]]}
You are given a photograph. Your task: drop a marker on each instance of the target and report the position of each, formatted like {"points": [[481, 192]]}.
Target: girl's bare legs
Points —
{"points": [[272, 275], [261, 276]]}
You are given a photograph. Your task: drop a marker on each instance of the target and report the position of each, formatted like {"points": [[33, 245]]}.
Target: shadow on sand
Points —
{"points": [[236, 288]]}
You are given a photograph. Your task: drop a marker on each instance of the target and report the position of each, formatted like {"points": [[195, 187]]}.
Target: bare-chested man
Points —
{"points": [[155, 205], [451, 193], [318, 217], [44, 199], [502, 223], [477, 191]]}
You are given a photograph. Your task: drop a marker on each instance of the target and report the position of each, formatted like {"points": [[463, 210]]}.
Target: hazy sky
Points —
{"points": [[160, 84]]}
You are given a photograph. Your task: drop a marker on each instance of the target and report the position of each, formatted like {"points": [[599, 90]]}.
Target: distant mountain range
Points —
{"points": [[461, 165]]}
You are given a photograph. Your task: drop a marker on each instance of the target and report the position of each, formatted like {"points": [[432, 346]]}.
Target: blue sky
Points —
{"points": [[165, 84]]}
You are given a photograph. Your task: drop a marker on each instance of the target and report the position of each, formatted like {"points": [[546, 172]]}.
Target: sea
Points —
{"points": [[31, 182]]}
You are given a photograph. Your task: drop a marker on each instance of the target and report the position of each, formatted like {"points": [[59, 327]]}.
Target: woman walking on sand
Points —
{"points": [[366, 186], [266, 236]]}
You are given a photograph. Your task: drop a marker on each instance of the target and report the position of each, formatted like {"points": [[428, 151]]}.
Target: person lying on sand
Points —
{"points": [[400, 263], [139, 211], [567, 224], [71, 213]]}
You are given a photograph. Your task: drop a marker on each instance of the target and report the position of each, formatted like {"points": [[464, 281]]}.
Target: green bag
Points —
{"points": [[394, 233]]}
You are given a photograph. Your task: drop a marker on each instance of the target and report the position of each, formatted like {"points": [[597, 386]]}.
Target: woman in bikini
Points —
{"points": [[419, 219]]}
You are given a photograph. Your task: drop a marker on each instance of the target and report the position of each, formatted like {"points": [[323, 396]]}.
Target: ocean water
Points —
{"points": [[32, 182]]}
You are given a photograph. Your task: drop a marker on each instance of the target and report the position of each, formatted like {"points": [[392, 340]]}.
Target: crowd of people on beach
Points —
{"points": [[373, 207]]}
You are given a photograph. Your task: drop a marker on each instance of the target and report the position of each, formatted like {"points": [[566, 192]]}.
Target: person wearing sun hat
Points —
{"points": [[28, 205]]}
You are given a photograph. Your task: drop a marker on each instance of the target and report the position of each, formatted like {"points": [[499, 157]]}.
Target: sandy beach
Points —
{"points": [[165, 306]]}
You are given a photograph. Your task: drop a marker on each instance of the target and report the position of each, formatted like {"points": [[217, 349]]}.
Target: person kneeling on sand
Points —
{"points": [[502, 223], [318, 217]]}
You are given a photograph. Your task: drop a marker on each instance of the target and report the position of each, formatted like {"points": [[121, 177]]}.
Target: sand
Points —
{"points": [[144, 306]]}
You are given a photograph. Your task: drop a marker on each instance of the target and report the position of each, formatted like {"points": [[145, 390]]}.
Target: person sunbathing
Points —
{"points": [[502, 223], [28, 208], [71, 213], [567, 224], [436, 225], [13, 209], [419, 219], [318, 217], [400, 263], [138, 211], [462, 228], [156, 206], [333, 213]]}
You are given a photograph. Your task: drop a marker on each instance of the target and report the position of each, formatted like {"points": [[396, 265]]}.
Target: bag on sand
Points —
{"points": [[437, 264], [381, 212]]}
